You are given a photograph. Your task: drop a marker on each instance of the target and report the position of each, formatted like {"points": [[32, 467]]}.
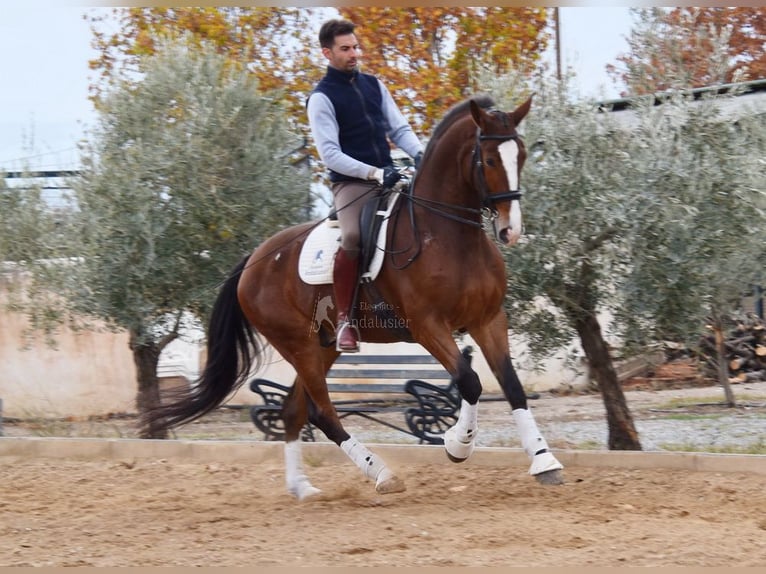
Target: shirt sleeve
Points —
{"points": [[399, 129], [324, 130]]}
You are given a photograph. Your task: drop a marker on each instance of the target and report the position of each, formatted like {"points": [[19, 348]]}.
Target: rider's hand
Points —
{"points": [[390, 176], [387, 176], [418, 158]]}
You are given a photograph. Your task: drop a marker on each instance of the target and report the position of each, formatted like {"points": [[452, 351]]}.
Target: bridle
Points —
{"points": [[441, 208], [490, 199]]}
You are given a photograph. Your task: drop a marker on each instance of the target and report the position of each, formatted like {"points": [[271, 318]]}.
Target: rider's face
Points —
{"points": [[344, 53]]}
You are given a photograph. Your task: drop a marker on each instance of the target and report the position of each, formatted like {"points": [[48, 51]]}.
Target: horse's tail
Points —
{"points": [[233, 349]]}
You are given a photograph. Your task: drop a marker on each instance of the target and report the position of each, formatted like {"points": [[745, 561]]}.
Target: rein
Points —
{"points": [[436, 207]]}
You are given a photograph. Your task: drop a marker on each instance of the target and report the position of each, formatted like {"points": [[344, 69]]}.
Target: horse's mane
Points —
{"points": [[456, 112]]}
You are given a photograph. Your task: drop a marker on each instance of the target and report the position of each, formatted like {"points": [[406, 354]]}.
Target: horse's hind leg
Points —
{"points": [[494, 344], [295, 414], [315, 401], [326, 419]]}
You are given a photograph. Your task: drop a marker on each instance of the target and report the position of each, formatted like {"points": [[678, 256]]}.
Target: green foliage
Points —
{"points": [[701, 247], [653, 217], [757, 446], [31, 236], [186, 172], [577, 218], [25, 223], [688, 47]]}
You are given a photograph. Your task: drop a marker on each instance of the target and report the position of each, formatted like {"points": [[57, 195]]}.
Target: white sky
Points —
{"points": [[45, 48]]}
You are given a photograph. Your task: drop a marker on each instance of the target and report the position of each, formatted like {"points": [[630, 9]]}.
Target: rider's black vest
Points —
{"points": [[358, 104]]}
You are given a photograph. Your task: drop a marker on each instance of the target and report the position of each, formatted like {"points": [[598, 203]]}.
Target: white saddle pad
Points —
{"points": [[317, 256]]}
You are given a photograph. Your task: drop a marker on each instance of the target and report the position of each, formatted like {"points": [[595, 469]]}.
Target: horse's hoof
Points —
{"points": [[454, 458], [544, 462], [390, 485], [303, 491], [550, 478], [457, 451]]}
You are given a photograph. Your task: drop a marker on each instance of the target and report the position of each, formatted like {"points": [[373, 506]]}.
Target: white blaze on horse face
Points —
{"points": [[509, 228], [509, 153]]}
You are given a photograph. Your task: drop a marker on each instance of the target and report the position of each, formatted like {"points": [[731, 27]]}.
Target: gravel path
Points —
{"points": [[571, 422], [677, 419]]}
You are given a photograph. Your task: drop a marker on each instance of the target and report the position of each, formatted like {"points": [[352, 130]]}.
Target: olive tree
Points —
{"points": [[634, 223], [578, 216], [187, 170], [696, 254], [32, 232], [22, 218]]}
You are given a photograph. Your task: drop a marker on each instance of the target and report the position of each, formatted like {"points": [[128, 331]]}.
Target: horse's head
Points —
{"points": [[498, 157]]}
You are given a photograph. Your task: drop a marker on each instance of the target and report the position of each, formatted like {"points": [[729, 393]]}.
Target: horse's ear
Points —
{"points": [[521, 112], [477, 114]]}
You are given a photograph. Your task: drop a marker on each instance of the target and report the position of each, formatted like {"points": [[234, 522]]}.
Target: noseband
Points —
{"points": [[491, 198]]}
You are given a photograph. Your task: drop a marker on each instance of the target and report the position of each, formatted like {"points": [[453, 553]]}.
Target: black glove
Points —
{"points": [[418, 159], [390, 176]]}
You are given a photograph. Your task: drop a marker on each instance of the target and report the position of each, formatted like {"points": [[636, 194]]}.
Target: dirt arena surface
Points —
{"points": [[162, 513]]}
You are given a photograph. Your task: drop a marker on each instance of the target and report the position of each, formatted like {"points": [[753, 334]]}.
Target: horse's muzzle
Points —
{"points": [[508, 225], [508, 236]]}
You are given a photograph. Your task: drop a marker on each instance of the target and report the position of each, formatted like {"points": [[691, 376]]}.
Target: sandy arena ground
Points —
{"points": [[158, 512]]}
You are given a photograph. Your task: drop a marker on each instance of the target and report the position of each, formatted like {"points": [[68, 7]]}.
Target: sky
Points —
{"points": [[45, 48]]}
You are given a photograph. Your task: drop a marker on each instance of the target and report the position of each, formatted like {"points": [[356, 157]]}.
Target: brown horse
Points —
{"points": [[442, 274]]}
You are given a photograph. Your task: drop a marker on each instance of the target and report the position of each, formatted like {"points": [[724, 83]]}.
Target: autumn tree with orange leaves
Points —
{"points": [[269, 42], [684, 48], [428, 57]]}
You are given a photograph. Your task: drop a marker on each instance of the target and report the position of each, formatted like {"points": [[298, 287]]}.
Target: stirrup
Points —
{"points": [[341, 327]]}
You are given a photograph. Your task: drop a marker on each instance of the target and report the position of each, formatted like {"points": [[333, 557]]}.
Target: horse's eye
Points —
{"points": [[491, 162]]}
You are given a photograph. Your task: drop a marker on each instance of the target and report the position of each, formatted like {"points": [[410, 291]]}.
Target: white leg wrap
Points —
{"points": [[467, 422], [544, 462], [534, 444], [460, 439], [297, 483], [371, 465]]}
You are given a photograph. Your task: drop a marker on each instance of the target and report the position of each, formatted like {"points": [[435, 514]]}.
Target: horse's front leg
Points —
{"points": [[545, 467], [460, 439], [493, 342]]}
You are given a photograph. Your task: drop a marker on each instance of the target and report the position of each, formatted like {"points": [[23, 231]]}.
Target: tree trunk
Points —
{"points": [[146, 355], [579, 304], [622, 431], [723, 363]]}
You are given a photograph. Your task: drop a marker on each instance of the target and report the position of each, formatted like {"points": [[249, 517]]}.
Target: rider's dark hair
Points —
{"points": [[333, 28]]}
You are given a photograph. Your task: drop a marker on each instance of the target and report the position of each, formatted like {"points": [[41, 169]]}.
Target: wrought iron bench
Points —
{"points": [[429, 409]]}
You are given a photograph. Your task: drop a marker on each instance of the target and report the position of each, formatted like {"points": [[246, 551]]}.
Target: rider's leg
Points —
{"points": [[345, 276], [349, 197]]}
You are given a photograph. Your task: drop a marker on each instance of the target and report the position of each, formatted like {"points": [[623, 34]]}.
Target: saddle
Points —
{"points": [[315, 263]]}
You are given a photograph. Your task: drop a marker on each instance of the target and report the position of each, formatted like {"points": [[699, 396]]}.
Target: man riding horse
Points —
{"points": [[352, 116], [442, 271]]}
